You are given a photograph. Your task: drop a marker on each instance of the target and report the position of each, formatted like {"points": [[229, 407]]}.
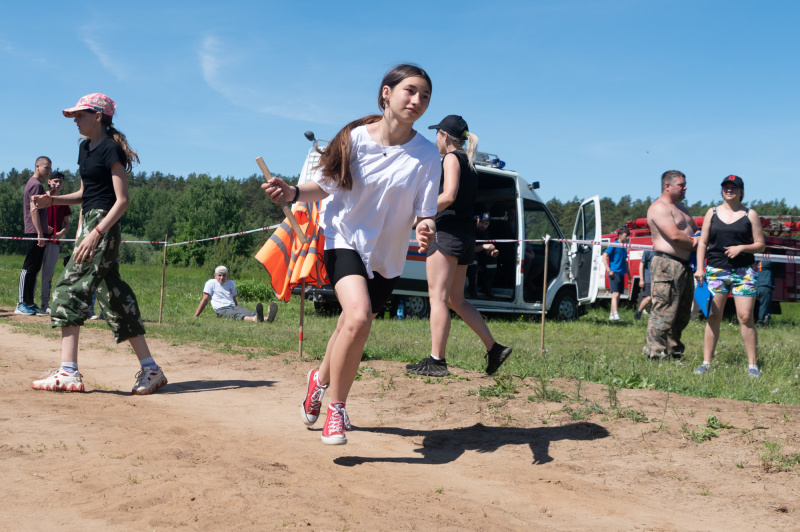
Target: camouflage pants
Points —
{"points": [[672, 288], [72, 295]]}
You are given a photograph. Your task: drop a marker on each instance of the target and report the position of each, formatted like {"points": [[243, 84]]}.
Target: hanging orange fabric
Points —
{"points": [[291, 263]]}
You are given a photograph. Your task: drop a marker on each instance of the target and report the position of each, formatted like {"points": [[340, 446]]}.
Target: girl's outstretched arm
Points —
{"points": [[309, 191]]}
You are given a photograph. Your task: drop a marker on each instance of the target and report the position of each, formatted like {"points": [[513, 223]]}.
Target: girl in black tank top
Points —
{"points": [[724, 235], [453, 250], [729, 243]]}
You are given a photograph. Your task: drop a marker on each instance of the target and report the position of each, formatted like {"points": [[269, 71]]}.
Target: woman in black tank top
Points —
{"points": [[453, 249], [731, 235]]}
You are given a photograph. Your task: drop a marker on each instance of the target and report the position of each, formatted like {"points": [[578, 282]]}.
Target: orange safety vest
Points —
{"points": [[291, 263]]}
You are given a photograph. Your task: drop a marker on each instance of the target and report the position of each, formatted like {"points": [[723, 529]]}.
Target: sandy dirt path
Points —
{"points": [[222, 447]]}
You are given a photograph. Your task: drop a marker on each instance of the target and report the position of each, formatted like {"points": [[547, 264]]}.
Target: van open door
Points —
{"points": [[586, 257]]}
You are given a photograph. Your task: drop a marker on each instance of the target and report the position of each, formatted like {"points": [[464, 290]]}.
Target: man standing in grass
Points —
{"points": [[35, 227], [671, 279], [221, 291]]}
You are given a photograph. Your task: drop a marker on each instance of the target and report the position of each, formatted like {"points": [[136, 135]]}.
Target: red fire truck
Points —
{"points": [[780, 234]]}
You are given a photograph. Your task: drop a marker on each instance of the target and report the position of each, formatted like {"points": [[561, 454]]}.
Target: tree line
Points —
{"points": [[200, 206], [616, 213]]}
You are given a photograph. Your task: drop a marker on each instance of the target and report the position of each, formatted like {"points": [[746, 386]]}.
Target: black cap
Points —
{"points": [[733, 180], [453, 125]]}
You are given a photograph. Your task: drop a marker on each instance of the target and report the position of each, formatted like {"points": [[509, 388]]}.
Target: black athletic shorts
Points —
{"points": [[461, 247], [343, 262]]}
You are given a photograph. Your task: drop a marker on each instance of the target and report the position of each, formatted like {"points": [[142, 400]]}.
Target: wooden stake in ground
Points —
{"points": [[302, 313], [282, 202], [544, 286], [163, 275]]}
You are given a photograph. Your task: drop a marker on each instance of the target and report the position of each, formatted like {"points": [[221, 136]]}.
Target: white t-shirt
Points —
{"points": [[221, 294], [375, 216]]}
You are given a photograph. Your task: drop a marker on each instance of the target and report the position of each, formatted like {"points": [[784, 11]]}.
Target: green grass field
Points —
{"points": [[589, 349]]}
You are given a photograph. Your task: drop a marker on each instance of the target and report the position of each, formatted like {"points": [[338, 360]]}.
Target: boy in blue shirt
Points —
{"points": [[616, 262]]}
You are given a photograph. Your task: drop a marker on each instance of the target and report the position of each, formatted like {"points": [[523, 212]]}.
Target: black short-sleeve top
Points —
{"points": [[95, 169]]}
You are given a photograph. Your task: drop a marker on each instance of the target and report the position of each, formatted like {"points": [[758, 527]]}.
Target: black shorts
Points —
{"points": [[460, 246], [617, 284], [343, 262]]}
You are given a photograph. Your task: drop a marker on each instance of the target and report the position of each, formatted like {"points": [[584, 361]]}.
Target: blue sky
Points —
{"points": [[587, 97]]}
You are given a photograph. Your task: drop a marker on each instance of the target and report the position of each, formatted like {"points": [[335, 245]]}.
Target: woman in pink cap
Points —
{"points": [[104, 157], [378, 178]]}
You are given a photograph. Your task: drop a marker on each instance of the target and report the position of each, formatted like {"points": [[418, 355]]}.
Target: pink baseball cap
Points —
{"points": [[92, 102]]}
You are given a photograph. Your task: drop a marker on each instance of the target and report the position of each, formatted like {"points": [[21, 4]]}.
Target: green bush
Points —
{"points": [[251, 290]]}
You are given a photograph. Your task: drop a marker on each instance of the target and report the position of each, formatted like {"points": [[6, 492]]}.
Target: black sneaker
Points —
{"points": [[496, 356], [421, 364], [271, 312], [638, 316], [429, 367], [260, 313]]}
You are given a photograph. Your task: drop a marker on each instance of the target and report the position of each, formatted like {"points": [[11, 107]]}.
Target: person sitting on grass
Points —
{"points": [[221, 291]]}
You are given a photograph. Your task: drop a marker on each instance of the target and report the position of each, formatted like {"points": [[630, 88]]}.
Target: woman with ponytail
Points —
{"points": [[453, 250], [378, 178], [104, 157]]}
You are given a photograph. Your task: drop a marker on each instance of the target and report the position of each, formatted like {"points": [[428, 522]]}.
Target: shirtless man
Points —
{"points": [[671, 280]]}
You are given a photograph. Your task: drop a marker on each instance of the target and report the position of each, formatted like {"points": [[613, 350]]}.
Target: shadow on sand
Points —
{"points": [[445, 446], [197, 386]]}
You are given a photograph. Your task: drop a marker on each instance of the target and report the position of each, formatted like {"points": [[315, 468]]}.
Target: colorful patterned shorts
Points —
{"points": [[739, 282]]}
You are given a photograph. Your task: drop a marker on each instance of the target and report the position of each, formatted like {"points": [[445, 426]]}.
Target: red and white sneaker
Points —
{"points": [[148, 381], [313, 400], [58, 380], [335, 424]]}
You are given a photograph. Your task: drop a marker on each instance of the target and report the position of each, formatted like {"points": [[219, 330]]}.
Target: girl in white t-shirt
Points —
{"points": [[378, 178]]}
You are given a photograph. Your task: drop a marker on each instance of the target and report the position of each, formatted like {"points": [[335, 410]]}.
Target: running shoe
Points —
{"points": [[24, 309], [333, 433], [271, 312], [313, 401], [703, 369], [38, 311], [58, 380], [421, 364], [753, 372], [496, 356], [259, 313], [430, 367], [148, 381]]}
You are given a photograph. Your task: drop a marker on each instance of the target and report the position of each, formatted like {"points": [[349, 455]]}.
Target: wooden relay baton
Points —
{"points": [[282, 202]]}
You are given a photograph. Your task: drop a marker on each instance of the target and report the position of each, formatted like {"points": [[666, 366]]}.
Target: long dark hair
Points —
{"points": [[131, 157], [335, 160]]}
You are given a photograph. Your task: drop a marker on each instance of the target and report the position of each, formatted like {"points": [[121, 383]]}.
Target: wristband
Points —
{"points": [[296, 193], [99, 232]]}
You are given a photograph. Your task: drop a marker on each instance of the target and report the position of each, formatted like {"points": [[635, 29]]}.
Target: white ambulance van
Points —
{"points": [[517, 214]]}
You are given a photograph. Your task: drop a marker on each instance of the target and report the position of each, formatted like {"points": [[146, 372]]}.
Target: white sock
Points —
{"points": [[69, 367], [149, 363], [753, 366], [706, 363], [433, 357]]}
